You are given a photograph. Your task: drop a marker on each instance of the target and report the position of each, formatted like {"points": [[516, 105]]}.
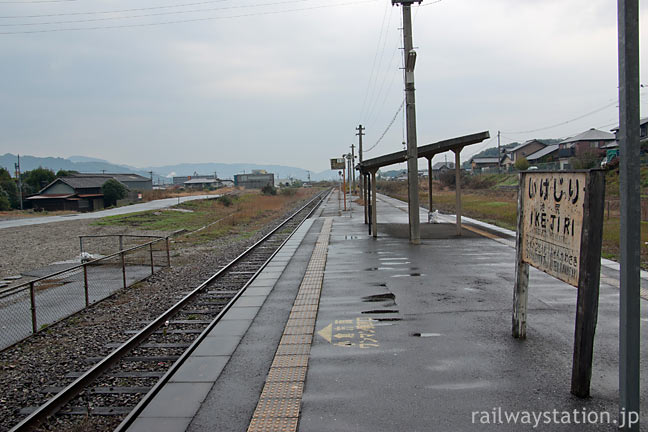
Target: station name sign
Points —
{"points": [[560, 232], [552, 222], [337, 164]]}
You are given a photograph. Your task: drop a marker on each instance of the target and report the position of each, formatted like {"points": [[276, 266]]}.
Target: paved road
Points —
{"points": [[151, 205]]}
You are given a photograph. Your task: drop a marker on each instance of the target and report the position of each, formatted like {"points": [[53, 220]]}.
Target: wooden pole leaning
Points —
{"points": [[588, 284], [521, 287]]}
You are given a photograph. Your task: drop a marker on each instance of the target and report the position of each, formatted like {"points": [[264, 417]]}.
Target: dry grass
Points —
{"points": [[499, 207], [248, 211]]}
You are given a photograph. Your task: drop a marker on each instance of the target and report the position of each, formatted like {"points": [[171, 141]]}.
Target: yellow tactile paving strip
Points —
{"points": [[278, 407]]}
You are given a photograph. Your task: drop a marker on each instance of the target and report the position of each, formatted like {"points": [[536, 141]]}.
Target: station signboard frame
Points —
{"points": [[338, 164], [559, 232]]}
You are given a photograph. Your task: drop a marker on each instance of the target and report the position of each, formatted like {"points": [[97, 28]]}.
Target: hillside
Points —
{"points": [[161, 174]]}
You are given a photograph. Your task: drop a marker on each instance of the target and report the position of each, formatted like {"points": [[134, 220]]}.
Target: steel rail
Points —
{"points": [[132, 416], [54, 404]]}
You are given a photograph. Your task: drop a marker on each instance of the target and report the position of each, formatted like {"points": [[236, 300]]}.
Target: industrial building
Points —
{"points": [[256, 180]]}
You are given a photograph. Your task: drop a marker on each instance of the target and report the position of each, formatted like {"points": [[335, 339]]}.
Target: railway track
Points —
{"points": [[118, 387]]}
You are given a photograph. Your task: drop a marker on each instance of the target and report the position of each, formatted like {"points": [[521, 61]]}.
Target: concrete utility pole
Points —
{"points": [[360, 134], [20, 189], [629, 176], [363, 181], [410, 111], [352, 168], [349, 168], [499, 154]]}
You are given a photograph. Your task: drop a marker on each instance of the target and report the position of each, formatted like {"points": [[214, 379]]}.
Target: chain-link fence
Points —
{"points": [[32, 306]]}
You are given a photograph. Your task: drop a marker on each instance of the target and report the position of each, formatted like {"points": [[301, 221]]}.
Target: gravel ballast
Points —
{"points": [[47, 357]]}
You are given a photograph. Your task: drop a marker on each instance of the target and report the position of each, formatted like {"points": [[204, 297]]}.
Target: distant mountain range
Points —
{"points": [[161, 174]]}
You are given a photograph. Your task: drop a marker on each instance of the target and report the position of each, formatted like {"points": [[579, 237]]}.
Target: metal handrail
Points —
{"points": [[60, 399], [25, 285]]}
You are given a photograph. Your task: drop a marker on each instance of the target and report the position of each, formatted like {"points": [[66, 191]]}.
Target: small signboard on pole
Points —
{"points": [[560, 229], [338, 164]]}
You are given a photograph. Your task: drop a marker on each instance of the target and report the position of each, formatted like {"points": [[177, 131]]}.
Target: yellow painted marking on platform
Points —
{"points": [[280, 400], [480, 232], [359, 333], [326, 332]]}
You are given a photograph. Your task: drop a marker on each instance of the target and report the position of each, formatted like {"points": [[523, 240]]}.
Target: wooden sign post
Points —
{"points": [[560, 230], [340, 164]]}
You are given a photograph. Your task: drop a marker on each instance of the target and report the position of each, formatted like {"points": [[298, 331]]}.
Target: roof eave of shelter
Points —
{"points": [[426, 151]]}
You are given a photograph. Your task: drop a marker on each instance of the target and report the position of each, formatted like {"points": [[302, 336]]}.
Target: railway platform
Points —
{"points": [[345, 332]]}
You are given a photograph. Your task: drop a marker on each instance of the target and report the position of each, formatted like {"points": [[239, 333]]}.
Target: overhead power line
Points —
{"points": [[430, 3], [36, 1], [111, 11], [373, 64], [189, 20], [373, 95], [565, 122], [153, 14], [387, 129]]}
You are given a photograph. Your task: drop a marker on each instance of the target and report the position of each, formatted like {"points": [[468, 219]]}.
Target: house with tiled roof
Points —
{"points": [[82, 192], [588, 142], [525, 149]]}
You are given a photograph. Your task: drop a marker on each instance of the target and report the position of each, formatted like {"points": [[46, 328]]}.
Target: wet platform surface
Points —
{"points": [[407, 338]]}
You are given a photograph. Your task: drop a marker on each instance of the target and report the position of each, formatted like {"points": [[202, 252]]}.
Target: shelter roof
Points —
{"points": [[426, 151]]}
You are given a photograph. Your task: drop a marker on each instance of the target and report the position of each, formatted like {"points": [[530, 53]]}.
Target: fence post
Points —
{"points": [[32, 296], [123, 263], [81, 245], [168, 254], [121, 242], [85, 284], [151, 251]]}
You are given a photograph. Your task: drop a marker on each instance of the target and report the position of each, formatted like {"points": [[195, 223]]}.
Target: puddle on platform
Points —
{"points": [[426, 334], [461, 386], [379, 297], [379, 268], [382, 322], [380, 311], [408, 275], [394, 259], [351, 237]]}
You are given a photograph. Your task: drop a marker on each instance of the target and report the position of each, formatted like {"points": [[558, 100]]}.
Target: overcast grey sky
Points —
{"points": [[287, 81]]}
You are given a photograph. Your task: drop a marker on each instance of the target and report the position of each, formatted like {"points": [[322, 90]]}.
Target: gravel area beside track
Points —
{"points": [[31, 247], [47, 357]]}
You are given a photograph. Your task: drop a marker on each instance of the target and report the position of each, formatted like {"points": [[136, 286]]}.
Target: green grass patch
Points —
{"points": [[202, 213]]}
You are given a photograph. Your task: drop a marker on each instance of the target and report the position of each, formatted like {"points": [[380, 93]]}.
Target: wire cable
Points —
{"points": [[188, 20], [565, 122], [36, 1], [371, 105], [111, 11], [387, 129], [154, 14], [383, 87], [373, 64]]}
